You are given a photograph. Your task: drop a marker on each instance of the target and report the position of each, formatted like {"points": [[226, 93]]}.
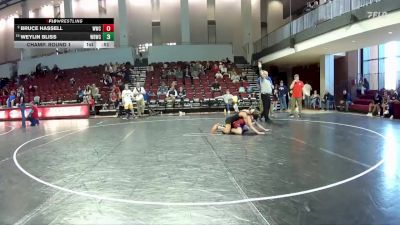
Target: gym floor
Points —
{"points": [[328, 168]]}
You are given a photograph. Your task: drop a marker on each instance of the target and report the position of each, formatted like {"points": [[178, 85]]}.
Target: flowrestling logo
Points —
{"points": [[376, 14]]}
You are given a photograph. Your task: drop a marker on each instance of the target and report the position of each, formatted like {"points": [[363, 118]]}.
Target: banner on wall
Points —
{"points": [[49, 112]]}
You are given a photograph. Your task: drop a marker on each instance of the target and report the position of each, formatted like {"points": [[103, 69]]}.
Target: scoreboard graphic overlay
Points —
{"points": [[64, 33]]}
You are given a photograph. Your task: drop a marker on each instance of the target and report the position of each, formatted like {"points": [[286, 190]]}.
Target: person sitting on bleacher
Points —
{"points": [[172, 94], [315, 99], [179, 73], [162, 90], [222, 68], [187, 72], [138, 94], [234, 77], [181, 93], [11, 99], [215, 87], [376, 105], [393, 99], [219, 75], [95, 93], [215, 68], [327, 100], [228, 100], [113, 100], [346, 101]]}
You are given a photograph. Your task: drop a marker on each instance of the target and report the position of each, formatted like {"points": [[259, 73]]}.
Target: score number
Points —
{"points": [[108, 32]]}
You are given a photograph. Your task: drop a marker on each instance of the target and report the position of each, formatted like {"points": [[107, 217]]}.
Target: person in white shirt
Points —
{"points": [[219, 75], [127, 97], [266, 87], [138, 94], [172, 94], [307, 95], [228, 99], [222, 68]]}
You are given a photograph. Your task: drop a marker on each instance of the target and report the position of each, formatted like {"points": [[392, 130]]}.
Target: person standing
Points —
{"points": [[266, 87], [297, 95], [21, 97], [307, 95], [282, 93]]}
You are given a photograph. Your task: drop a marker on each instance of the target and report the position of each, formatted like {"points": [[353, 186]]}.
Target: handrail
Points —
{"points": [[325, 12]]}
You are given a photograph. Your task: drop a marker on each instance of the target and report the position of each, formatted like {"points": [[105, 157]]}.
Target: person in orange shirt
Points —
{"points": [[297, 95]]}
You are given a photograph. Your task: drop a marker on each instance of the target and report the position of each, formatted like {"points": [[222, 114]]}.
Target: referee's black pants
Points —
{"points": [[266, 101]]}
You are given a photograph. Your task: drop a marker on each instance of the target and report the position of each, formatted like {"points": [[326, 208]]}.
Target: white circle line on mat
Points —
{"points": [[12, 128], [210, 203]]}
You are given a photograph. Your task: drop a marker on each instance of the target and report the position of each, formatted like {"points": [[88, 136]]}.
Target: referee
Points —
{"points": [[266, 87]]}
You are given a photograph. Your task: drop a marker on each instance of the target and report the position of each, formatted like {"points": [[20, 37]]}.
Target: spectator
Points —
{"points": [[187, 72], [219, 75], [113, 100], [117, 91], [72, 81], [275, 98], [95, 93], [376, 105], [222, 68], [115, 67], [327, 100], [242, 89], [385, 104], [215, 87], [315, 4], [366, 84], [59, 101], [315, 99], [22, 100], [228, 100], [91, 103], [181, 93], [106, 68], [55, 69], [36, 100], [138, 94], [234, 77], [243, 76], [33, 115], [39, 69], [307, 93], [11, 99], [215, 68], [162, 90], [111, 69], [282, 93], [297, 95], [346, 101], [179, 73], [164, 73], [394, 99], [108, 80], [127, 75], [80, 95], [172, 94], [87, 93]]}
